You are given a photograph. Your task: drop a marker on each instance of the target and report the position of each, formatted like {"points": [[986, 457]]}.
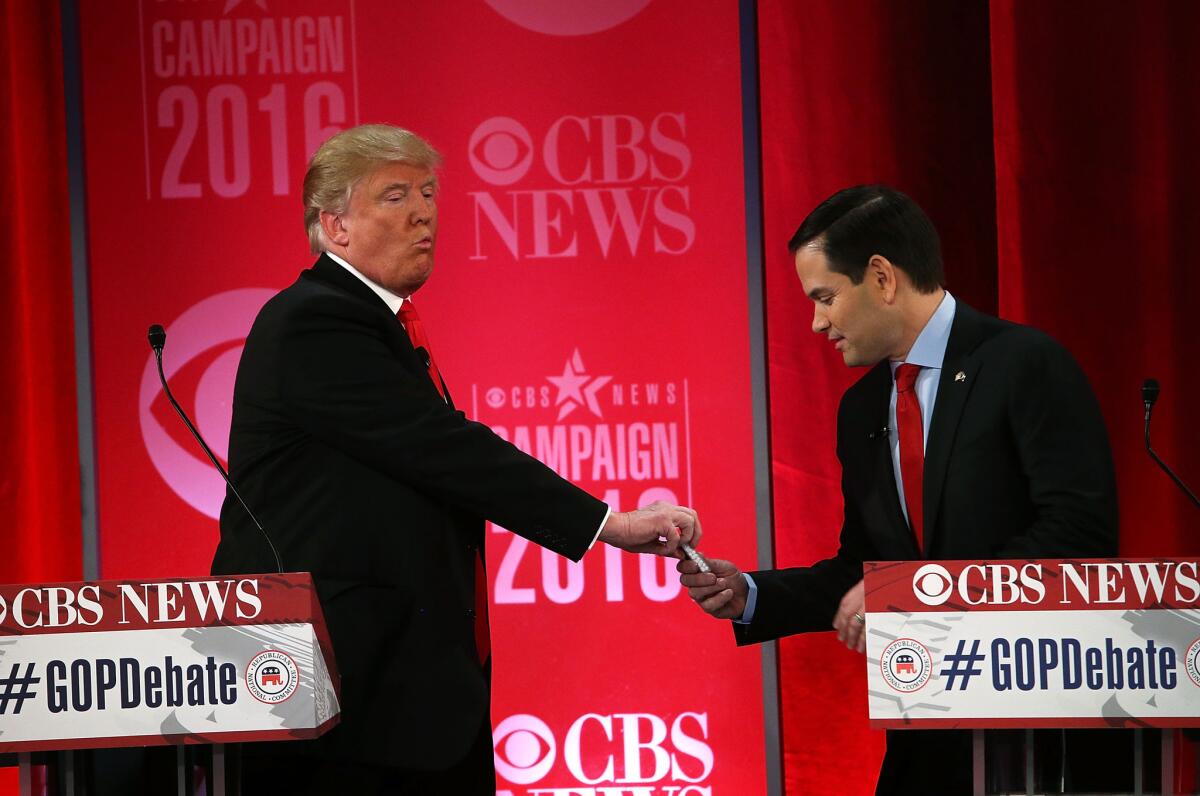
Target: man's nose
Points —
{"points": [[820, 323], [422, 211]]}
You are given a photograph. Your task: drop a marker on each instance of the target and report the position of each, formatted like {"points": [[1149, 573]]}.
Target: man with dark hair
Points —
{"points": [[969, 438], [858, 222]]}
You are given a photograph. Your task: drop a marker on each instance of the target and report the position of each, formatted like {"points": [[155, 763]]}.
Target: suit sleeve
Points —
{"points": [[805, 599], [1065, 458], [341, 383]]}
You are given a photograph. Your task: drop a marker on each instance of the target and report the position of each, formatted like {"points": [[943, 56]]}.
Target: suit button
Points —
{"points": [[470, 613]]}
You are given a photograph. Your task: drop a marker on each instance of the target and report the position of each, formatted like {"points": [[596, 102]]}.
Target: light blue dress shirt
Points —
{"points": [[928, 351]]}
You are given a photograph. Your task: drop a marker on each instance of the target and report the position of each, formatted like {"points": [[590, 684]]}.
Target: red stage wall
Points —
{"points": [[39, 477], [1084, 183], [1090, 184], [1095, 204], [39, 472], [589, 302]]}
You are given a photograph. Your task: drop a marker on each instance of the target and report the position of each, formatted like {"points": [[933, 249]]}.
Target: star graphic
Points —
{"points": [[589, 394], [571, 390], [568, 384]]}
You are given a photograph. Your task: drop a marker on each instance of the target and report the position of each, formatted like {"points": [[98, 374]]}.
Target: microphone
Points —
{"points": [[882, 432], [423, 355], [1150, 390], [158, 338]]}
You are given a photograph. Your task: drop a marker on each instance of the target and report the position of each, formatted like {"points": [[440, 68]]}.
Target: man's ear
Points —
{"points": [[883, 275], [334, 229]]}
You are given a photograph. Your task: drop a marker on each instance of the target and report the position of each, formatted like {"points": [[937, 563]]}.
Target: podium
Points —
{"points": [[1025, 644], [185, 662]]}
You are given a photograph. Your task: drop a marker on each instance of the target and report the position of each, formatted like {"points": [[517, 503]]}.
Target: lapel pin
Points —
{"points": [[960, 376]]}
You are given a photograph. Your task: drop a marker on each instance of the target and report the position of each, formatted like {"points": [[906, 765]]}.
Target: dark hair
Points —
{"points": [[856, 223]]}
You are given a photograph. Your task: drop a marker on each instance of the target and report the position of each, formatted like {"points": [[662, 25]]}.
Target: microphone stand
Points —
{"points": [[158, 338], [1150, 390]]}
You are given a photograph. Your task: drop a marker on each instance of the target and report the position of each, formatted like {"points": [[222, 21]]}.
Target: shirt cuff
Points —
{"points": [[607, 514], [751, 600]]}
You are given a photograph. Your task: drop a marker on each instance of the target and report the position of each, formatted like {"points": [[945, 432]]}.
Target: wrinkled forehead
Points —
{"points": [[392, 174]]}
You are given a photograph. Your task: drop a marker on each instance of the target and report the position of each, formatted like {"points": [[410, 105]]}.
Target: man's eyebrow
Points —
{"points": [[392, 186]]}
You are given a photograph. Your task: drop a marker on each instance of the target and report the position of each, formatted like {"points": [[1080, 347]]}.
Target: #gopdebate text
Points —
{"points": [[83, 685], [1046, 664]]}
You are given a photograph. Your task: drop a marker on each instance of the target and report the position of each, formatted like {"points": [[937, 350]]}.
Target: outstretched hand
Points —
{"points": [[658, 528], [721, 593]]}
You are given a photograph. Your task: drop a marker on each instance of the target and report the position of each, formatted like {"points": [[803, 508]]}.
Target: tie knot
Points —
{"points": [[906, 377], [407, 312]]}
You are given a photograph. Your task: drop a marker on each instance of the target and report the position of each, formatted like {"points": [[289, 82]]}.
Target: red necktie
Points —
{"points": [[912, 448], [416, 335]]}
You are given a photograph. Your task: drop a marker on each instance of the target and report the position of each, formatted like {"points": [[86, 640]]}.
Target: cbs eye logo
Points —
{"points": [[500, 150], [523, 748], [932, 584], [206, 336], [570, 18]]}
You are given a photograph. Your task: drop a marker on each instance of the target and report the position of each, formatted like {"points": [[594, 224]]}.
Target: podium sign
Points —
{"points": [[136, 663], [1048, 643]]}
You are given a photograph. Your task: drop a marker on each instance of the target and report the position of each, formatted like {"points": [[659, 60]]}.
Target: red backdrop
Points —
{"points": [[1058, 137], [39, 474], [589, 302], [39, 478], [1051, 146], [1094, 205]]}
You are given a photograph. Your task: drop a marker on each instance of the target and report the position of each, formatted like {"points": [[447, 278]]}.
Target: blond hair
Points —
{"points": [[346, 158]]}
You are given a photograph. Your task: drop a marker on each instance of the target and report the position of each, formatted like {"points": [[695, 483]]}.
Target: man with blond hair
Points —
{"points": [[346, 441]]}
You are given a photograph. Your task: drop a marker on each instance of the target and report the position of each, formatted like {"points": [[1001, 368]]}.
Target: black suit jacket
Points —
{"points": [[1017, 465], [363, 475]]}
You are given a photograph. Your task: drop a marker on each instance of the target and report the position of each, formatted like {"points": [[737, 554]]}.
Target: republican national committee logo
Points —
{"points": [[272, 677], [1192, 662], [906, 665]]}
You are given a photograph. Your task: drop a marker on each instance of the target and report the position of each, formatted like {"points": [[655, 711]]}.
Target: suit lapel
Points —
{"points": [[959, 368], [894, 538], [328, 271], [898, 532]]}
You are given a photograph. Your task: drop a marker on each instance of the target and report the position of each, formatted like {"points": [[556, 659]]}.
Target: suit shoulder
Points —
{"points": [[1025, 357], [309, 300], [1016, 341]]}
